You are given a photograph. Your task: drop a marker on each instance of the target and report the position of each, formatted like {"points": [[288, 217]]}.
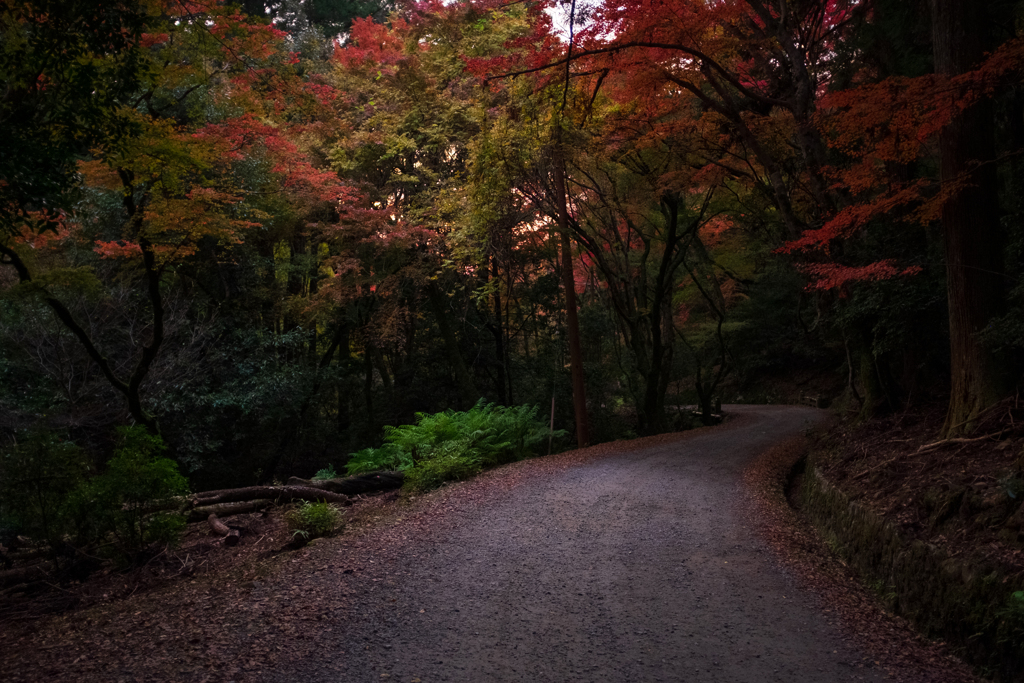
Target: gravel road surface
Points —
{"points": [[635, 567]]}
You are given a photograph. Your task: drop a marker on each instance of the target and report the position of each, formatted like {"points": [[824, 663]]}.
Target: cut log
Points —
{"points": [[361, 483], [228, 535], [281, 494], [209, 494], [328, 490], [26, 554], [179, 504], [25, 574], [227, 509]]}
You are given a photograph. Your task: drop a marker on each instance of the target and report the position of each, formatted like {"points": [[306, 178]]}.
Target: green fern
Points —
{"points": [[325, 474], [451, 461], [388, 457], [488, 435]]}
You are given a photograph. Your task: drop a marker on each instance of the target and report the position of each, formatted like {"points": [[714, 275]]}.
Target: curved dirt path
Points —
{"points": [[634, 567]]}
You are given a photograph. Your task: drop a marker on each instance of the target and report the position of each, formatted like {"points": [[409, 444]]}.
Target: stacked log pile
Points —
{"points": [[212, 505]]}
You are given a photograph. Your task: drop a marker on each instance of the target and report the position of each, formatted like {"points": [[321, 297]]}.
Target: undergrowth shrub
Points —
{"points": [[486, 435], [313, 520], [38, 474], [451, 461], [46, 493], [1011, 624], [389, 457], [116, 504]]}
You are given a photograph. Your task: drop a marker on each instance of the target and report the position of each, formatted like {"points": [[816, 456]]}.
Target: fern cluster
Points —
{"points": [[388, 457], [325, 474], [455, 445], [451, 461]]}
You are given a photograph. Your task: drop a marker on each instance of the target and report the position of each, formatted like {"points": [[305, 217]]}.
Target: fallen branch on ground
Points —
{"points": [[228, 535]]}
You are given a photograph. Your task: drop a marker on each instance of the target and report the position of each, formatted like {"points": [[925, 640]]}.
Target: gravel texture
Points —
{"points": [[610, 564]]}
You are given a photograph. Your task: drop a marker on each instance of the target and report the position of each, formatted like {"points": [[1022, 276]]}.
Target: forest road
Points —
{"points": [[636, 567]]}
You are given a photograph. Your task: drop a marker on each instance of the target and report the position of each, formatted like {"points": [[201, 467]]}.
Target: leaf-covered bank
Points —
{"points": [[933, 526]]}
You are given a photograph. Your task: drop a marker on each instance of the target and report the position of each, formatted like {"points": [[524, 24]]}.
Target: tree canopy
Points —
{"points": [[267, 230]]}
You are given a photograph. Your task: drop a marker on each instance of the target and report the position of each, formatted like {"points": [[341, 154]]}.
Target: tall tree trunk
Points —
{"points": [[380, 364], [970, 219], [497, 328], [579, 393], [463, 380], [403, 365], [345, 359], [660, 323], [371, 416], [292, 432], [150, 350], [654, 419]]}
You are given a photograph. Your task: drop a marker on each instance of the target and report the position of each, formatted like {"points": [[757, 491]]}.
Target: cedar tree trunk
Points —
{"points": [[970, 220]]}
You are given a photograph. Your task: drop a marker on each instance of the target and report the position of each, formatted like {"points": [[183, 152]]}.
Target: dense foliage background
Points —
{"points": [[265, 232]]}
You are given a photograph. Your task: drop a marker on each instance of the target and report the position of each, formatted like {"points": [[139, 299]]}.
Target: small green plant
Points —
{"points": [[1011, 622], [1012, 486], [451, 461], [325, 474], [883, 589], [313, 520]]}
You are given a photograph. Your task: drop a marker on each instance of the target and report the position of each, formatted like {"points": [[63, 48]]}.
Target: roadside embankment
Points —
{"points": [[976, 607]]}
